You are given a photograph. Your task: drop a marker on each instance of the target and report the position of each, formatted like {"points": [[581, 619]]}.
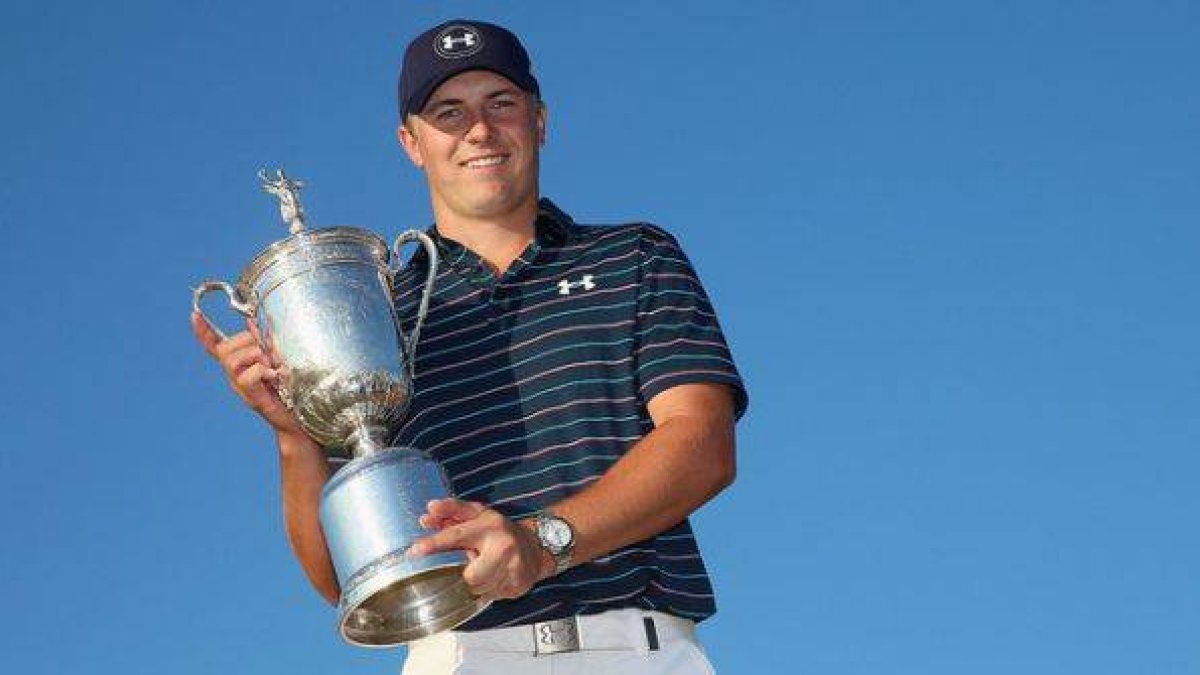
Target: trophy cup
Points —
{"points": [[321, 301]]}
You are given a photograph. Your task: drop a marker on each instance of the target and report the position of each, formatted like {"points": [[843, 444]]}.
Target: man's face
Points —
{"points": [[477, 139]]}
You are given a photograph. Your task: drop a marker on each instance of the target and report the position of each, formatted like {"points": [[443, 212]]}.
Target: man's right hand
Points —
{"points": [[250, 373], [302, 464]]}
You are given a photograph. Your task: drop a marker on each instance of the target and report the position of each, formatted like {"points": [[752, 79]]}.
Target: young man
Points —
{"points": [[572, 380]]}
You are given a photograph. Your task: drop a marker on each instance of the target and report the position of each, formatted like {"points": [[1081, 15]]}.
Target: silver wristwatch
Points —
{"points": [[557, 536]]}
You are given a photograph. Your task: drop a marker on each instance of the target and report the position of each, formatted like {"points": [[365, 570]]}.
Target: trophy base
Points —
{"points": [[409, 608], [370, 513]]}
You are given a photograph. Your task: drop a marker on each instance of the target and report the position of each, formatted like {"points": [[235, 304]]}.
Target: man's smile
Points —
{"points": [[485, 161]]}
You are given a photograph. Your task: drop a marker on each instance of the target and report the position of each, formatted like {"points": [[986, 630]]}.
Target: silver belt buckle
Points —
{"points": [[556, 637]]}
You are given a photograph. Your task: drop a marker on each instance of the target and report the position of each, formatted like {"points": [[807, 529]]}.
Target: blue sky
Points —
{"points": [[953, 245]]}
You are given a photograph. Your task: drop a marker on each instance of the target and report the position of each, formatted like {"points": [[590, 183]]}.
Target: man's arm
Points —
{"points": [[303, 468], [683, 462], [303, 471]]}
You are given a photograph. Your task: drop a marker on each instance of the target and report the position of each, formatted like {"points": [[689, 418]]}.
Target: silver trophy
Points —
{"points": [[322, 303]]}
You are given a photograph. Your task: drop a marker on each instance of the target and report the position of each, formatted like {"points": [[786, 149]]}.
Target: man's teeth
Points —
{"points": [[486, 161]]}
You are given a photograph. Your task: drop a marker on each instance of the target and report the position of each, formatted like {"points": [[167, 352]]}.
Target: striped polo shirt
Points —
{"points": [[529, 386]]}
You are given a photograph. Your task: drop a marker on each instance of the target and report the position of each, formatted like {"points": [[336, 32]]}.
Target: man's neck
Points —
{"points": [[498, 240]]}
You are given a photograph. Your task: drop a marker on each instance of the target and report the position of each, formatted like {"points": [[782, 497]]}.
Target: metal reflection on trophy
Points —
{"points": [[321, 301]]}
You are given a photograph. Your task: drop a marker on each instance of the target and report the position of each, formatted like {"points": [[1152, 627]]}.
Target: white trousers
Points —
{"points": [[618, 641]]}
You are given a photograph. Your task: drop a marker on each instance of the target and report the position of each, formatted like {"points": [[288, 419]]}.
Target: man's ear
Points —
{"points": [[408, 141], [542, 115]]}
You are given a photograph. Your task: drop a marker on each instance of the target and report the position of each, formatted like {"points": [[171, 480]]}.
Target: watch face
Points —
{"points": [[556, 534]]}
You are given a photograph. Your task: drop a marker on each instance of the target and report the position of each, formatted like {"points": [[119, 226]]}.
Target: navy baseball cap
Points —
{"points": [[456, 46]]}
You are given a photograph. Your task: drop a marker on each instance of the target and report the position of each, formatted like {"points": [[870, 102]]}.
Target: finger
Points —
{"points": [[252, 328], [254, 380], [507, 590], [454, 509], [442, 513], [204, 333], [237, 361], [435, 522], [233, 343], [460, 536], [489, 595], [485, 575], [439, 521], [490, 589]]}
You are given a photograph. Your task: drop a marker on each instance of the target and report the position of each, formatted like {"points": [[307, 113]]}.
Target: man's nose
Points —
{"points": [[481, 128]]}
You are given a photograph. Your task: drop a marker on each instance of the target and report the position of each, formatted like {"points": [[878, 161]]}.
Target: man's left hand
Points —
{"points": [[505, 558]]}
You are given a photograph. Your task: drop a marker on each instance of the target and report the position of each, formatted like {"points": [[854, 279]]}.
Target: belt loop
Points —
{"points": [[651, 633]]}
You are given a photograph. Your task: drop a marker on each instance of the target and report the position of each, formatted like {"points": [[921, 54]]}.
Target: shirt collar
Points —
{"points": [[554, 228]]}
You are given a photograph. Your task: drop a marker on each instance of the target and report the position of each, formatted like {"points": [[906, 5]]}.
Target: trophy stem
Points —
{"points": [[367, 439]]}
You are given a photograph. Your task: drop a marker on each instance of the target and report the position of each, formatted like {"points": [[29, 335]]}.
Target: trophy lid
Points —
{"points": [[309, 248], [305, 248]]}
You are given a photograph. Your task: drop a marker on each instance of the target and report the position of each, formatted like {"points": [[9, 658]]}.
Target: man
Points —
{"points": [[572, 380]]}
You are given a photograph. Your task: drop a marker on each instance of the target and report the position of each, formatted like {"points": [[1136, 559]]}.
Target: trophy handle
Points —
{"points": [[240, 306], [410, 343]]}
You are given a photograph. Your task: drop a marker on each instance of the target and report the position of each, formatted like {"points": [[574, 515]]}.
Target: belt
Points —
{"points": [[615, 630]]}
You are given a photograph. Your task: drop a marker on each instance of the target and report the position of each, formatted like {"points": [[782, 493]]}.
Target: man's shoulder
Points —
{"points": [[634, 234]]}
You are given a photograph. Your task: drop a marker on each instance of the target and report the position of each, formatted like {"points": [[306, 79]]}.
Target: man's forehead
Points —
{"points": [[471, 81]]}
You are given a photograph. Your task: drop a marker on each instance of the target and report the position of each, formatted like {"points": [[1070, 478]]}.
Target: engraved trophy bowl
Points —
{"points": [[321, 301]]}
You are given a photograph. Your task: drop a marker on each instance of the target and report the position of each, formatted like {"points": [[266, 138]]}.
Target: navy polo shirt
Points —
{"points": [[529, 386]]}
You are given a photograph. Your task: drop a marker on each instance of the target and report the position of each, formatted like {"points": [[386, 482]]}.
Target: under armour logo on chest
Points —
{"points": [[565, 287]]}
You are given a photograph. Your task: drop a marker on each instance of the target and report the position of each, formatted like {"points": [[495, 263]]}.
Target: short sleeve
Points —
{"points": [[678, 338]]}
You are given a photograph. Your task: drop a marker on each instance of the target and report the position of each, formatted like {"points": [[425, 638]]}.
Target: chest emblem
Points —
{"points": [[566, 286]]}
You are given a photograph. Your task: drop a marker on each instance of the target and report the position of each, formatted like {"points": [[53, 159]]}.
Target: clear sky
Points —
{"points": [[954, 247]]}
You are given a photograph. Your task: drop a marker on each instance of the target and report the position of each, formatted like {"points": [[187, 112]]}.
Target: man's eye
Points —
{"points": [[503, 103], [448, 114]]}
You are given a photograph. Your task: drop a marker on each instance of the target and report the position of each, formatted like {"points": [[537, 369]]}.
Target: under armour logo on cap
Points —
{"points": [[457, 41]]}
